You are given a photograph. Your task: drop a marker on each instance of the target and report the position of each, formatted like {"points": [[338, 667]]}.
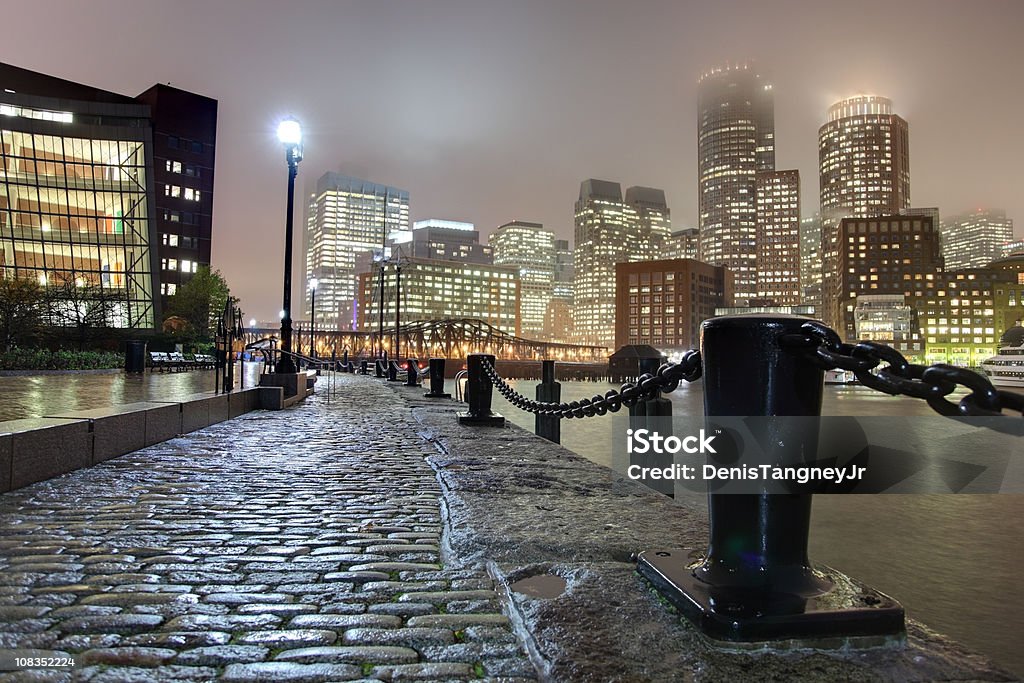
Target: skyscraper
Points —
{"points": [[653, 216], [975, 239], [347, 216], [735, 140], [778, 237], [608, 231], [558, 325], [864, 158], [531, 249], [810, 262]]}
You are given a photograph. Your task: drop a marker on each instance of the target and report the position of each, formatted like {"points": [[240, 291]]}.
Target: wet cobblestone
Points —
{"points": [[301, 545]]}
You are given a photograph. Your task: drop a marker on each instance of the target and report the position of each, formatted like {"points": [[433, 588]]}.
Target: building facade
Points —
{"points": [[530, 248], [608, 231], [81, 204], [975, 239], [184, 152], [864, 158], [662, 303], [347, 216], [558, 325], [735, 140], [683, 243], [432, 289], [436, 238], [810, 261], [778, 237], [882, 255]]}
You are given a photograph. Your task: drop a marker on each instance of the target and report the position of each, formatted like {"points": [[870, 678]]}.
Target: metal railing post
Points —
{"points": [[548, 391], [478, 394], [436, 379], [412, 372], [755, 583], [393, 371], [364, 367], [378, 367]]}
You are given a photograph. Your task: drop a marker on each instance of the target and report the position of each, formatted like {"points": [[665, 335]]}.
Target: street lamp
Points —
{"points": [[312, 317], [289, 132]]}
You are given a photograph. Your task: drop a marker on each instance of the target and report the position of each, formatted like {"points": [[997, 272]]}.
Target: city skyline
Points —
{"points": [[482, 132]]}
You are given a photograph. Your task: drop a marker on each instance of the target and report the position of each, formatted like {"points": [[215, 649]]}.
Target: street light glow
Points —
{"points": [[289, 132], [313, 283], [252, 322]]}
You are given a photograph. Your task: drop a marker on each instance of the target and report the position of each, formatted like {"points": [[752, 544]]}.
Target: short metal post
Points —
{"points": [[393, 371], [412, 372], [436, 379], [378, 367], [478, 394], [638, 411], [548, 391], [756, 583], [364, 367]]}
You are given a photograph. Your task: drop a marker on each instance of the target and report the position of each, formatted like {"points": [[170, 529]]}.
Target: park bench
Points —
{"points": [[158, 360]]}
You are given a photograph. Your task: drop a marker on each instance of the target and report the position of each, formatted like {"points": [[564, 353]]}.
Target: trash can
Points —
{"points": [[135, 356]]}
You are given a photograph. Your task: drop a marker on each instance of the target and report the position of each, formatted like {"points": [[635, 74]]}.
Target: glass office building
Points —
{"points": [[75, 202]]}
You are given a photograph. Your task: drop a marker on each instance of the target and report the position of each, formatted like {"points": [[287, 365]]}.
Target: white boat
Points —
{"points": [[840, 377], [1006, 368]]}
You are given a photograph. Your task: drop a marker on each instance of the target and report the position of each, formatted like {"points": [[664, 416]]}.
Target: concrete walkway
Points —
{"points": [[300, 545]]}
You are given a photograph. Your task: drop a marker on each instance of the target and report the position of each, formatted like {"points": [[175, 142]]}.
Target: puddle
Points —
{"points": [[540, 586]]}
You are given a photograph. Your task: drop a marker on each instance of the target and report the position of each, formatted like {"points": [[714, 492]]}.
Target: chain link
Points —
{"points": [[898, 377], [647, 387]]}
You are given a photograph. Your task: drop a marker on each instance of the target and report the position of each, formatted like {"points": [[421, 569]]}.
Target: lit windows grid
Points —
{"points": [[76, 207]]}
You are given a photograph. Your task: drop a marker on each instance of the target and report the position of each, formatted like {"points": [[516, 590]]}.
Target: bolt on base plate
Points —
{"points": [[850, 614], [492, 420]]}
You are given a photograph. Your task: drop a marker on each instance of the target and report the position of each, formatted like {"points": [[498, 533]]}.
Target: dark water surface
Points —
{"points": [[955, 561]]}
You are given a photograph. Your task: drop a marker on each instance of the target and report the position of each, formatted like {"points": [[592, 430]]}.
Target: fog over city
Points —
{"points": [[491, 111]]}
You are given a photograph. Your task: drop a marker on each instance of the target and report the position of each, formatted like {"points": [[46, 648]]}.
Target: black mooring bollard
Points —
{"points": [[436, 379], [756, 583], [412, 372], [393, 371], [364, 367], [548, 391], [478, 394], [378, 367]]}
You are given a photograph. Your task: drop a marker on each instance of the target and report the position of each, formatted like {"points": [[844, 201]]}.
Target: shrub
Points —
{"points": [[43, 359]]}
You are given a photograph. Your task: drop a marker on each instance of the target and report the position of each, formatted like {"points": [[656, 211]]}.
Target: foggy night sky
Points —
{"points": [[491, 111]]}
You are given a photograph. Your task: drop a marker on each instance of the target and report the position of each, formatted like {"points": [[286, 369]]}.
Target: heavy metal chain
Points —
{"points": [[646, 387], [820, 345], [823, 347]]}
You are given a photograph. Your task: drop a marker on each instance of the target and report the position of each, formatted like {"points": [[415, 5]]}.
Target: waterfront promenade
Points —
{"points": [[372, 538]]}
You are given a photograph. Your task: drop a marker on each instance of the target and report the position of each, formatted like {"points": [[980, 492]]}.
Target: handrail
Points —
{"points": [[460, 375]]}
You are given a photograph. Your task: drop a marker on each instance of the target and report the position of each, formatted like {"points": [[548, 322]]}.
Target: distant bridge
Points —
{"points": [[452, 338]]}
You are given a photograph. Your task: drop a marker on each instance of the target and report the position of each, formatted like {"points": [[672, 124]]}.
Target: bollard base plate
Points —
{"points": [[849, 615], [492, 420], [433, 395]]}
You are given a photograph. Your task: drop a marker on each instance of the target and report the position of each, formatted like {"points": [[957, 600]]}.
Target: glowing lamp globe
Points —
{"points": [[289, 132]]}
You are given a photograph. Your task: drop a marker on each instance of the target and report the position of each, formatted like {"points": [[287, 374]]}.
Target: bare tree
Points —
{"points": [[75, 301]]}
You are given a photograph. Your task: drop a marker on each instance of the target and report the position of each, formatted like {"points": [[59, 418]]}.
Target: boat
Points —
{"points": [[840, 377], [1006, 368]]}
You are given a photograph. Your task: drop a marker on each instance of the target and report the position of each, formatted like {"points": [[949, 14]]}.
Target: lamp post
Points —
{"points": [[289, 132], [312, 317], [252, 329]]}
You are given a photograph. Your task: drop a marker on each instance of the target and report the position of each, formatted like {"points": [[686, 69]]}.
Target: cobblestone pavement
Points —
{"points": [[300, 545], [41, 395]]}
